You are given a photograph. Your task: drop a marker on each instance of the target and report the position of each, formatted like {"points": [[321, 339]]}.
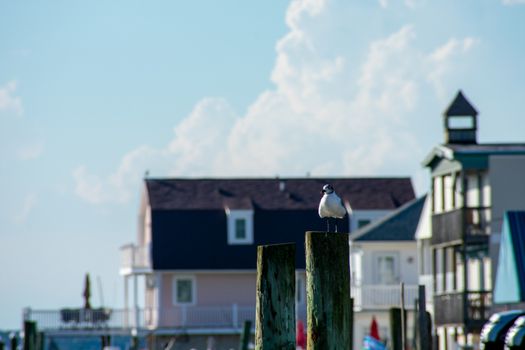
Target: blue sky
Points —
{"points": [[93, 94]]}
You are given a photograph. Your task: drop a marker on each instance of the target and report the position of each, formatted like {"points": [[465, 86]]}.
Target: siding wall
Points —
{"points": [[215, 289], [507, 180], [363, 261]]}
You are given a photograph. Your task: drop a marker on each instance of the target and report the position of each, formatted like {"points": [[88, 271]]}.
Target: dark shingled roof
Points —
{"points": [[298, 193], [460, 106], [399, 225]]}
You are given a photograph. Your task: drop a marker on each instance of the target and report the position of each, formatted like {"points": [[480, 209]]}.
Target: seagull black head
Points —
{"points": [[327, 189]]}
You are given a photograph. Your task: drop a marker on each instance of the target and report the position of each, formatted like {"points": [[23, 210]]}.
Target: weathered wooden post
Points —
{"points": [[40, 340], [423, 321], [275, 303], [351, 340], [245, 335], [396, 332], [30, 335], [328, 291], [13, 341], [403, 319]]}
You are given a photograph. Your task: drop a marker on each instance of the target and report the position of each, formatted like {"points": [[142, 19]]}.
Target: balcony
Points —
{"points": [[225, 317], [470, 225], [468, 309], [382, 297], [135, 259]]}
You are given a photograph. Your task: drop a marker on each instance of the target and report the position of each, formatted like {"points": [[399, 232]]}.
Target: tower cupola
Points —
{"points": [[460, 121]]}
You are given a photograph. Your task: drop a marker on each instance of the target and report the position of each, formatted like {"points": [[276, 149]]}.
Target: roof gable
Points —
{"points": [[460, 107], [399, 225]]}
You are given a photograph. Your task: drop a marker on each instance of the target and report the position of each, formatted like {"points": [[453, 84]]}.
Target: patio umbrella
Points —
{"points": [[374, 329], [87, 292]]}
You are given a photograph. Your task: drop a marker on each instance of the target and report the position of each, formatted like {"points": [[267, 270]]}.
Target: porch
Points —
{"points": [[382, 297], [226, 317]]}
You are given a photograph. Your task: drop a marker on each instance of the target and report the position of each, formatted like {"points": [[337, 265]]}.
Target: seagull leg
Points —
{"points": [[335, 225], [327, 224]]}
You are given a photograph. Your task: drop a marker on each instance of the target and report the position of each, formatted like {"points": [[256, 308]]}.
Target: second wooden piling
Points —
{"points": [[275, 303], [328, 291]]}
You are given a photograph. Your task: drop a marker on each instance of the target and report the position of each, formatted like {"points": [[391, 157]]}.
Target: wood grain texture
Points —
{"points": [[275, 303], [328, 291]]}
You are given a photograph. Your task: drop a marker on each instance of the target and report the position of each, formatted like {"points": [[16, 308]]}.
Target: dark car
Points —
{"points": [[494, 331], [515, 338]]}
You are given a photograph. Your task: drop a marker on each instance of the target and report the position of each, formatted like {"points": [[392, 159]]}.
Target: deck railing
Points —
{"points": [[470, 308], [187, 317], [133, 256], [378, 297], [464, 224]]}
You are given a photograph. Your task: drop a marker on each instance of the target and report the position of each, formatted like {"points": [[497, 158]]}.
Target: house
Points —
{"points": [[472, 185], [197, 240], [383, 254]]}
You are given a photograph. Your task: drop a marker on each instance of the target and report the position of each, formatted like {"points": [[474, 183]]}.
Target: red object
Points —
{"points": [[301, 337], [374, 329]]}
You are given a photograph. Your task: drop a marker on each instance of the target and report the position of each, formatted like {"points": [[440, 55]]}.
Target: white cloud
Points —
{"points": [[27, 207], [330, 112], [443, 57], [513, 2], [8, 101], [31, 151], [408, 3]]}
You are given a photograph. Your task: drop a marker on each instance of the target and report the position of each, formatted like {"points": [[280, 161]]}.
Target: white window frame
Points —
{"points": [[193, 289], [233, 215]]}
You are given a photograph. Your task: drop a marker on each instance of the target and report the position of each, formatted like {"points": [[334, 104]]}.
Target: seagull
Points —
{"points": [[331, 206]]}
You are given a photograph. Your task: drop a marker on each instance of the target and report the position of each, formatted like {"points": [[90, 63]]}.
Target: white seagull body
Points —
{"points": [[331, 206]]}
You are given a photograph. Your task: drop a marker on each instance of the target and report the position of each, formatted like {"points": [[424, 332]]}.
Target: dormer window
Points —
{"points": [[240, 226]]}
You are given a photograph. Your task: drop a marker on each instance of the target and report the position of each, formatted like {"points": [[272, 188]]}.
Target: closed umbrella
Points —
{"points": [[87, 292], [301, 337], [374, 329]]}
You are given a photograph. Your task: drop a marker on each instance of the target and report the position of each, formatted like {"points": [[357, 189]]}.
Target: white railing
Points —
{"points": [[187, 317], [133, 256], [377, 297]]}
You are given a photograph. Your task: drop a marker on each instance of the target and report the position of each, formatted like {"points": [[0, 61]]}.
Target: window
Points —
{"points": [[387, 268], [184, 290], [240, 229], [240, 226], [362, 222]]}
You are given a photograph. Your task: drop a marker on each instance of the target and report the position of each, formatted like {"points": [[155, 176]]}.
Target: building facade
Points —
{"points": [[472, 185]]}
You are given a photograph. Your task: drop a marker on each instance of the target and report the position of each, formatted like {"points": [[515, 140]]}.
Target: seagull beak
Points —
{"points": [[322, 191]]}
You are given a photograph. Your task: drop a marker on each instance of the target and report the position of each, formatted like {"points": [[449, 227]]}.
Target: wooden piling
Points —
{"points": [[395, 328], [423, 321], [13, 341], [351, 340], [30, 335], [328, 291], [245, 335], [275, 303]]}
